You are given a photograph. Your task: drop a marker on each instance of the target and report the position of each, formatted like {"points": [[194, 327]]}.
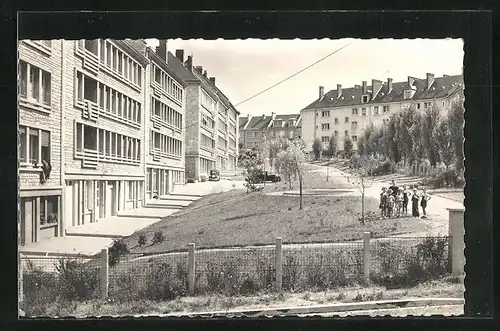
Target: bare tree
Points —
{"points": [[361, 179], [290, 163]]}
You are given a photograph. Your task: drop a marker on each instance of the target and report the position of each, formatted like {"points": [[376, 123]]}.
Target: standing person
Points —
{"points": [[406, 198], [390, 203], [383, 203], [414, 203], [423, 203], [394, 188], [399, 203]]}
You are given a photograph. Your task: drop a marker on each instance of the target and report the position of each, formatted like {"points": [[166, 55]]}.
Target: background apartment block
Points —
{"points": [[211, 121], [254, 130], [165, 113], [40, 149], [347, 112], [103, 129]]}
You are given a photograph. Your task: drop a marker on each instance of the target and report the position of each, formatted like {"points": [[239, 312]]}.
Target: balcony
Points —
{"points": [[92, 112], [158, 154], [158, 122], [91, 158]]}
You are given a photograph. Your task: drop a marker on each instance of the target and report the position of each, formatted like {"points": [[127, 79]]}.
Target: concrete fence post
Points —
{"points": [[456, 246], [366, 256], [104, 273], [279, 264], [191, 269], [20, 279]]}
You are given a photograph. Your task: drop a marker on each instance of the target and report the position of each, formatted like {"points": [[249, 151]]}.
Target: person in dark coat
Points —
{"points": [[406, 199], [423, 203], [414, 203], [394, 188]]}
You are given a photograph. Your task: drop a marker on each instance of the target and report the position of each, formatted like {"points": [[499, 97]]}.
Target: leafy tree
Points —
{"points": [[442, 136], [253, 163], [430, 120], [348, 146], [290, 163], [456, 125], [332, 147], [360, 177], [317, 147]]}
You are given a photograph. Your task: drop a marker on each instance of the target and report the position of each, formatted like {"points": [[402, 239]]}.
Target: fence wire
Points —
{"points": [[235, 271], [45, 280]]}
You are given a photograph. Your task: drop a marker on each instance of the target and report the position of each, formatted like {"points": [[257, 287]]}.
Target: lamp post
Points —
{"points": [[327, 168]]}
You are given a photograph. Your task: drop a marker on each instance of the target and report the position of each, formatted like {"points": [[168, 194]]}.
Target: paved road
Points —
{"points": [[445, 310], [436, 207]]}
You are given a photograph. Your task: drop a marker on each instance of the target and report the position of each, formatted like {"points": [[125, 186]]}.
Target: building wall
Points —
{"points": [[74, 114], [192, 130]]}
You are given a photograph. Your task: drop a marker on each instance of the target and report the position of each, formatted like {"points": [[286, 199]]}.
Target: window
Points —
{"points": [[408, 94], [346, 120], [91, 46], [417, 105], [131, 190], [376, 110], [427, 105], [363, 111], [325, 126], [167, 83], [336, 121], [325, 139], [90, 89], [354, 125], [354, 138], [346, 133], [365, 98], [90, 138], [355, 111], [48, 210], [35, 145], [385, 109], [324, 113], [35, 84]]}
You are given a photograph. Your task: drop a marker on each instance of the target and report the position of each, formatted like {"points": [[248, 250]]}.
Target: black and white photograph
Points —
{"points": [[243, 177]]}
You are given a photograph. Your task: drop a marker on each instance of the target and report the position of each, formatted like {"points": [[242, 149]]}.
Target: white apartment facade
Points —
{"points": [[347, 112]]}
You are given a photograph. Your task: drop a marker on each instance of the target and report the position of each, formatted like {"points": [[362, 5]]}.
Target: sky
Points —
{"points": [[243, 68]]}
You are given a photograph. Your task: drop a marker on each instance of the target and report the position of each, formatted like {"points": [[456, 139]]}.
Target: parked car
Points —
{"points": [[214, 175], [268, 178]]}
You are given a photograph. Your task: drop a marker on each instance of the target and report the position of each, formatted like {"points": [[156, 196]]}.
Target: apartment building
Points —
{"points": [[211, 141], [346, 112], [103, 128], [40, 147], [256, 129], [165, 104]]}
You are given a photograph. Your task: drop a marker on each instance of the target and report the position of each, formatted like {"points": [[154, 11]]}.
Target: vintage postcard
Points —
{"points": [[243, 177]]}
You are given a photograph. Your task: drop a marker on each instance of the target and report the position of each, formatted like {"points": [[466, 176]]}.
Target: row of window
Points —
{"points": [[35, 146], [133, 189], [326, 139], [232, 143], [207, 101], [206, 165], [355, 112], [207, 141], [107, 143], [109, 100], [166, 113], [222, 109], [166, 144], [232, 129], [222, 126], [34, 84], [115, 60], [168, 84], [221, 142], [207, 121]]}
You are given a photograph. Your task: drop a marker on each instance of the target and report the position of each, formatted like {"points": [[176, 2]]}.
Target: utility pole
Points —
{"points": [[327, 168]]}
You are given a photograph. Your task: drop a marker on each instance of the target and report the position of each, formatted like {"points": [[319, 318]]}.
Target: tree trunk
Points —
{"points": [[290, 182], [363, 207], [300, 191]]}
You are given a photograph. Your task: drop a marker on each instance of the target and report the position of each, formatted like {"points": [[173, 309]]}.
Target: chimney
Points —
{"points": [[321, 92], [365, 88], [411, 80], [138, 44], [205, 74], [212, 80], [339, 90], [376, 86], [189, 63], [180, 55], [430, 80], [264, 116], [199, 69], [389, 85], [162, 50]]}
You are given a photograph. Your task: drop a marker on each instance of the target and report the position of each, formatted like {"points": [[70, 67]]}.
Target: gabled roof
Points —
{"points": [[285, 118], [179, 68], [259, 122], [442, 87], [242, 121]]}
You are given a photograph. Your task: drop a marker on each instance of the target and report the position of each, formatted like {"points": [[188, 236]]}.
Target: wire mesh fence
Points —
{"points": [[47, 279], [235, 271]]}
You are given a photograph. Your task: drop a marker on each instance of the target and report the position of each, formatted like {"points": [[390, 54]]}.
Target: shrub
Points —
{"points": [[77, 281], [117, 250], [190, 181], [141, 240], [39, 290], [162, 283], [385, 168], [158, 237], [203, 178], [449, 178]]}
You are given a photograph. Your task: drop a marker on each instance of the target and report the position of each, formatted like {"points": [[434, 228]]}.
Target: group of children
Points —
{"points": [[394, 201]]}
